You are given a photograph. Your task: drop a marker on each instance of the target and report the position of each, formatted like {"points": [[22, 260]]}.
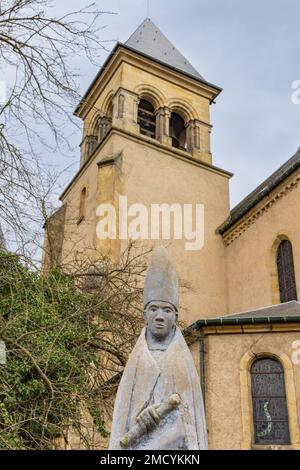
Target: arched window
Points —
{"points": [[104, 124], [177, 131], [147, 119], [82, 206], [286, 272], [270, 417]]}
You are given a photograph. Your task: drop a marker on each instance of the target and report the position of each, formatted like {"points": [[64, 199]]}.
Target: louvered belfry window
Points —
{"points": [[147, 118], [286, 272], [270, 416]]}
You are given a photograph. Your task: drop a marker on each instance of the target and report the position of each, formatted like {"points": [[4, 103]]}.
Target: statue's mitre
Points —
{"points": [[161, 283]]}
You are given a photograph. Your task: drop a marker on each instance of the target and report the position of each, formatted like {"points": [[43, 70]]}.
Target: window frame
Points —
{"points": [[286, 271], [278, 403]]}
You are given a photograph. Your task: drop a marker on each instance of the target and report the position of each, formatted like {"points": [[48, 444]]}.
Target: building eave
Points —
{"points": [[288, 312], [263, 190], [215, 90]]}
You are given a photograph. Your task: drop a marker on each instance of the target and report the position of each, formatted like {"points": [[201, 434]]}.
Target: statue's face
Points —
{"points": [[161, 317]]}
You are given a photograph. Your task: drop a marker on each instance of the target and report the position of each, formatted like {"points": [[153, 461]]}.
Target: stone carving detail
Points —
{"points": [[104, 125], [121, 106], [193, 135], [163, 123], [159, 401]]}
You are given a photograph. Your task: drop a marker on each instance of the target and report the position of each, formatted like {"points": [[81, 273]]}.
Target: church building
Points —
{"points": [[146, 141]]}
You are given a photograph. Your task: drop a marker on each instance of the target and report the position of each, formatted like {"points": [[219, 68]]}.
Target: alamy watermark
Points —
{"points": [[296, 93], [157, 222]]}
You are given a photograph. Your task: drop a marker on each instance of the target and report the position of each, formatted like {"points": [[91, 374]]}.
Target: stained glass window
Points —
{"points": [[270, 415]]}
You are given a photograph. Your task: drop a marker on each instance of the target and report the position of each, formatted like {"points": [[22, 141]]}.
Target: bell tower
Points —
{"points": [[147, 87], [146, 137]]}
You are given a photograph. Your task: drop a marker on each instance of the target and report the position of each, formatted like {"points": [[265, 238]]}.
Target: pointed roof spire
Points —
{"points": [[149, 40]]}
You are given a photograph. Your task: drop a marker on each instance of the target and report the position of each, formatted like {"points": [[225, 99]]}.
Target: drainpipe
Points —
{"points": [[202, 364]]}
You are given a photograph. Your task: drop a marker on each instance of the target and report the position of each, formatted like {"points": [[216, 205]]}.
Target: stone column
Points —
{"points": [[92, 143], [136, 103], [197, 135], [198, 140], [162, 125], [121, 106], [191, 136], [125, 105], [87, 146], [100, 129], [104, 125]]}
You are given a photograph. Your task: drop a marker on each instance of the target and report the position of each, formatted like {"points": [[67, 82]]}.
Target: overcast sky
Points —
{"points": [[251, 50]]}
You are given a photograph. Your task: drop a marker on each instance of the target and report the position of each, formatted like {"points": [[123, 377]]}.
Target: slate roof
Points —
{"points": [[261, 191], [282, 313], [149, 40]]}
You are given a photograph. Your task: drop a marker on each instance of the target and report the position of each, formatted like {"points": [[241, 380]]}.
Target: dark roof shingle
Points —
{"points": [[283, 313], [149, 40], [261, 191]]}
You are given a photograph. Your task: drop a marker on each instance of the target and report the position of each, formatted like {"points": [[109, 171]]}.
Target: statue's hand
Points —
{"points": [[148, 419]]}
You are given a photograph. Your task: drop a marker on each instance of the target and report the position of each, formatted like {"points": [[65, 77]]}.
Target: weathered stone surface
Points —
{"points": [[161, 282], [159, 402]]}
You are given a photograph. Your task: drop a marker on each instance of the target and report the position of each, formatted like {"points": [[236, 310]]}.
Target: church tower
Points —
{"points": [[146, 138]]}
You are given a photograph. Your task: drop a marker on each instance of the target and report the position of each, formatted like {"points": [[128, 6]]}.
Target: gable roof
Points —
{"points": [[149, 40], [261, 191]]}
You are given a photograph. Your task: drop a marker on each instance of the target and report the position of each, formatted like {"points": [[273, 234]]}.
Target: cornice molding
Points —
{"points": [[152, 143], [123, 54], [262, 208]]}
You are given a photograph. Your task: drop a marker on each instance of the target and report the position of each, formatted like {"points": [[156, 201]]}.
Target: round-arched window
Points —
{"points": [[147, 118], [270, 416], [286, 272], [177, 131]]}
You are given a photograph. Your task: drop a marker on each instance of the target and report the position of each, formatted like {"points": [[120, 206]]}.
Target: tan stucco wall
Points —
{"points": [[229, 427], [251, 258], [81, 238], [151, 177], [147, 175]]}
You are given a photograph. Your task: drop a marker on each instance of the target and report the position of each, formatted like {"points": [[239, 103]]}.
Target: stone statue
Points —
{"points": [[159, 403]]}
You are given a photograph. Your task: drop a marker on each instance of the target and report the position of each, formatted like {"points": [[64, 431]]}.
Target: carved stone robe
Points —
{"points": [[147, 381]]}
